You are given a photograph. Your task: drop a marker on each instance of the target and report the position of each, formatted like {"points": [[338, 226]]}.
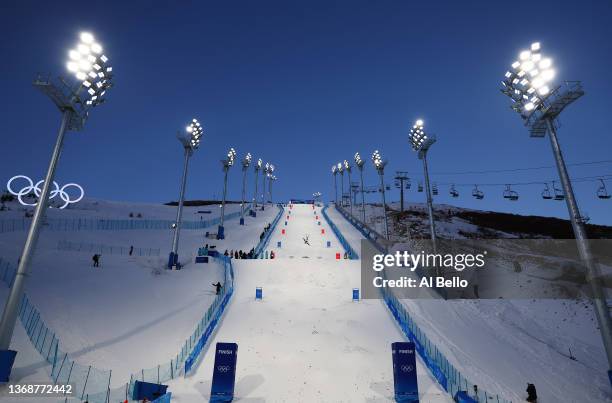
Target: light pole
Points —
{"points": [[347, 168], [270, 176], [379, 164], [360, 164], [190, 140], [227, 163], [94, 77], [527, 84], [420, 142], [246, 161], [341, 172], [401, 177], [334, 171], [257, 168], [272, 179], [266, 171]]}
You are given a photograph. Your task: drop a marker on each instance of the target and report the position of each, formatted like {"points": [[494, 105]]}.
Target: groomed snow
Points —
{"points": [[307, 341]]}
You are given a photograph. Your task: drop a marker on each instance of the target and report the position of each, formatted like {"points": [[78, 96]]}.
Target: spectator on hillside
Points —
{"points": [[272, 255], [532, 395], [475, 396], [236, 255], [226, 254], [205, 251], [131, 250], [217, 287], [96, 260]]}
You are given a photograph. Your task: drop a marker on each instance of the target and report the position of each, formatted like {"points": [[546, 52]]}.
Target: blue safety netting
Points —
{"points": [[350, 252], [105, 249], [108, 224], [263, 243]]}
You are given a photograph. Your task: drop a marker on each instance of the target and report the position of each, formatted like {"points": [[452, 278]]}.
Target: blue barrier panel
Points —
{"points": [[201, 259], [355, 294], [224, 373], [163, 399], [278, 244], [258, 293], [328, 244], [7, 358], [148, 390], [404, 372]]}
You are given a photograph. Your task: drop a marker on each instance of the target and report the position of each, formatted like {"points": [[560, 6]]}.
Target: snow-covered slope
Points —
{"points": [[503, 344], [130, 313], [306, 341]]}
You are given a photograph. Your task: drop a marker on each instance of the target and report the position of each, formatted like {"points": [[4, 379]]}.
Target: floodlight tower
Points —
{"points": [[263, 184], [539, 102], [347, 168], [190, 139], [340, 168], [401, 177], [380, 164], [227, 163], [334, 171], [74, 100], [420, 143], [272, 179], [269, 175], [257, 167], [246, 161], [360, 164]]}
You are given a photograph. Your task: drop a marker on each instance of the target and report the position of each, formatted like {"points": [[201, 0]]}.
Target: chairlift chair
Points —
{"points": [[559, 195], [510, 194], [408, 184], [434, 189], [477, 193], [546, 192], [453, 192], [420, 187], [602, 192]]}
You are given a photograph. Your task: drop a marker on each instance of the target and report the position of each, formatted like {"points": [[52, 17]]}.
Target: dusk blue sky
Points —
{"points": [[303, 85]]}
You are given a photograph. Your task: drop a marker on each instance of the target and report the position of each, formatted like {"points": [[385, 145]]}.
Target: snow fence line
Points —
{"points": [[445, 373], [104, 224], [93, 384], [263, 243], [105, 249], [347, 246]]}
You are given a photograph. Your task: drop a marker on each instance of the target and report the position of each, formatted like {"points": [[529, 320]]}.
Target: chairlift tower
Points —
{"points": [[401, 177], [527, 84]]}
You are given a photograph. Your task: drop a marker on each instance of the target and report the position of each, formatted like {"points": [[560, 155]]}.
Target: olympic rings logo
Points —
{"points": [[37, 189], [407, 368], [223, 368]]}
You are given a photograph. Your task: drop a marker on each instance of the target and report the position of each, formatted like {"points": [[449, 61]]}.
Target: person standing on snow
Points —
{"points": [[532, 395], [217, 287], [131, 250], [96, 260]]}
